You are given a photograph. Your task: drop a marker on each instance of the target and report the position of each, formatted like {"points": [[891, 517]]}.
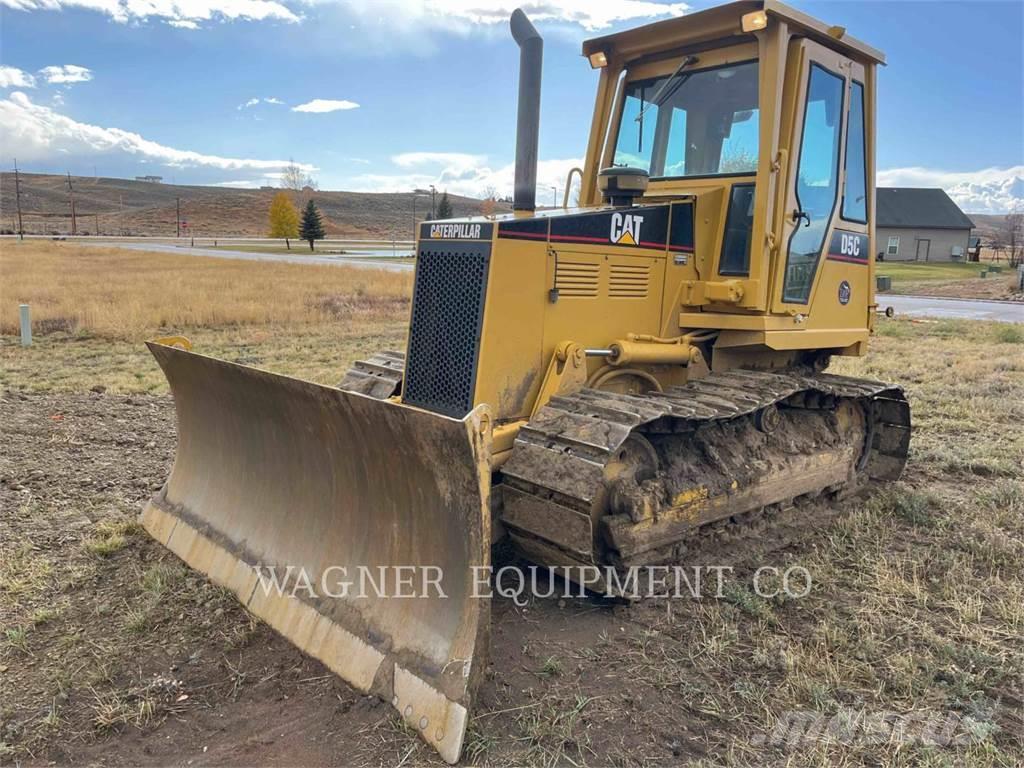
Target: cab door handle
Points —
{"points": [[798, 214]]}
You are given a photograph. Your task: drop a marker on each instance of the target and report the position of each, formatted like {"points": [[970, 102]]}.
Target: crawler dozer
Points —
{"points": [[601, 384]]}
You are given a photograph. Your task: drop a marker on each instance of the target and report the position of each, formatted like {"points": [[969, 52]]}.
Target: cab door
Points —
{"points": [[814, 174]]}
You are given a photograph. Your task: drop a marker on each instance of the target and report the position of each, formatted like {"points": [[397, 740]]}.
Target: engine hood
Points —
{"points": [[662, 226]]}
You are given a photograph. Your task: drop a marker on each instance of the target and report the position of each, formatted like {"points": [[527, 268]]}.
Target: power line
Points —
{"points": [[71, 194]]}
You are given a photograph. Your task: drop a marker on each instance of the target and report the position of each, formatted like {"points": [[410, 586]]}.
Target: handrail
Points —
{"points": [[568, 184]]}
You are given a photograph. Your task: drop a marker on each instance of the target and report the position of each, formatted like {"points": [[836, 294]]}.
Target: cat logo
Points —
{"points": [[626, 228], [844, 293]]}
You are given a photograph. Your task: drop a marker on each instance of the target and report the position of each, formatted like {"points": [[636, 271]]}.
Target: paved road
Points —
{"points": [[297, 258], [964, 309]]}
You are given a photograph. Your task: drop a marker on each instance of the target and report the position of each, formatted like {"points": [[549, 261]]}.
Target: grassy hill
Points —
{"points": [[121, 206], [987, 224]]}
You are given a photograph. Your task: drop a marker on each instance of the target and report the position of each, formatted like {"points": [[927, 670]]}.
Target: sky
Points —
{"points": [[389, 95]]}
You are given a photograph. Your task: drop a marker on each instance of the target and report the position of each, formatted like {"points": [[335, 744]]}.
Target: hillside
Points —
{"points": [[986, 224], [121, 206]]}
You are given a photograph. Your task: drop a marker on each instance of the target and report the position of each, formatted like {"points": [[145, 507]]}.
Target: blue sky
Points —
{"points": [[164, 87]]}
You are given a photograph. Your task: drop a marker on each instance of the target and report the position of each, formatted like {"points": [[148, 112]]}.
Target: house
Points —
{"points": [[920, 225], [150, 179]]}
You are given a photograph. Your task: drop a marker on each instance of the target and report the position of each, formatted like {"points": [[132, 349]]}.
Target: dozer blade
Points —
{"points": [[278, 475]]}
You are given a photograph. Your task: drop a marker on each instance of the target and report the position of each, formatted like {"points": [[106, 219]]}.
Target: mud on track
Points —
{"points": [[114, 653]]}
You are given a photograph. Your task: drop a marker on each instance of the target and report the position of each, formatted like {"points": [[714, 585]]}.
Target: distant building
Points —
{"points": [[151, 179], [920, 225]]}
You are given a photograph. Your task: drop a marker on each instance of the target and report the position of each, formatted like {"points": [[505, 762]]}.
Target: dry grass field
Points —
{"points": [[93, 307], [908, 650]]}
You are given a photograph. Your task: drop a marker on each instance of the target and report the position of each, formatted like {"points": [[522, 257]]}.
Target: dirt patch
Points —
{"points": [[997, 286], [115, 654]]}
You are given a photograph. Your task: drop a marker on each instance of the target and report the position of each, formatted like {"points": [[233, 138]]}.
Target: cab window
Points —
{"points": [[697, 123], [855, 199], [817, 182]]}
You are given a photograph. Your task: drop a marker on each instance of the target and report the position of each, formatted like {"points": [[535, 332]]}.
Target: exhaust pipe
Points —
{"points": [[531, 56]]}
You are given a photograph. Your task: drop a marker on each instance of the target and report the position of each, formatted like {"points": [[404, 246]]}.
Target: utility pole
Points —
{"points": [[414, 216], [71, 195], [432, 193], [17, 197], [554, 197], [120, 215], [177, 217]]}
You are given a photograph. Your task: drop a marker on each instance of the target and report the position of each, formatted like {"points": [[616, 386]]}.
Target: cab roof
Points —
{"points": [[722, 22]]}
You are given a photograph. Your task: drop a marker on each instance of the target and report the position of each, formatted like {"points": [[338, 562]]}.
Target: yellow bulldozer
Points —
{"points": [[599, 385]]}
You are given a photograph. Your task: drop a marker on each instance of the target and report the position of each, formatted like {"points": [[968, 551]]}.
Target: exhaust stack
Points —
{"points": [[531, 56]]}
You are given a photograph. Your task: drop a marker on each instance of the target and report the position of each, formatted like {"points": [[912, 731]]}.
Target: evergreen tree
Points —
{"points": [[284, 219], [444, 207], [312, 227]]}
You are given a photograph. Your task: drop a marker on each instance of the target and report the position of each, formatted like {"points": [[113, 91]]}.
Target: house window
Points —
{"points": [[894, 246]]}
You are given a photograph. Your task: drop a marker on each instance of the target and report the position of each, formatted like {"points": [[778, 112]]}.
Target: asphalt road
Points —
{"points": [[296, 258], [964, 309]]}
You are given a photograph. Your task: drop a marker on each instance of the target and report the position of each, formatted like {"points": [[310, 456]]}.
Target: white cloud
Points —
{"points": [[243, 184], [257, 100], [12, 77], [461, 174], [187, 14], [66, 74], [451, 160], [990, 190], [320, 106], [590, 14], [35, 132], [401, 16]]}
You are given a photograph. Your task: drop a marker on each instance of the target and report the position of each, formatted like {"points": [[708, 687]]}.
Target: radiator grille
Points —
{"points": [[577, 278], [444, 333], [629, 281]]}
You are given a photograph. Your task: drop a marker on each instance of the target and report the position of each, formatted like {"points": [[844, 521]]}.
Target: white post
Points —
{"points": [[26, 325]]}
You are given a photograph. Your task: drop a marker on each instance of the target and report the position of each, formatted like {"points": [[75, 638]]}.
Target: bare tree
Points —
{"points": [[1012, 237], [293, 177]]}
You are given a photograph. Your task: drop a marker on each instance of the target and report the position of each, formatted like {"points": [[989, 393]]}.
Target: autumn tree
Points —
{"points": [[490, 202], [284, 219], [312, 225], [444, 207]]}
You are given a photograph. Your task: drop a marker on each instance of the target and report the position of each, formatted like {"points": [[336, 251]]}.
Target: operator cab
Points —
{"points": [[763, 116]]}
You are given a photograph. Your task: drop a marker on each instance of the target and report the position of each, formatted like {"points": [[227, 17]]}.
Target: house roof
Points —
{"points": [[917, 207]]}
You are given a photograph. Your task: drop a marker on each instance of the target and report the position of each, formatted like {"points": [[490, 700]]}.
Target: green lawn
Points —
{"points": [[922, 270]]}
